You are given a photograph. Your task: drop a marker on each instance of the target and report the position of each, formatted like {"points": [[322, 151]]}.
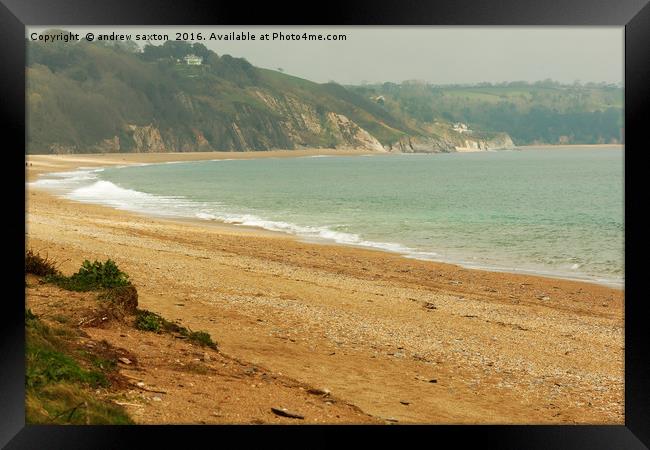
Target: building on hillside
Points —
{"points": [[193, 60], [460, 127]]}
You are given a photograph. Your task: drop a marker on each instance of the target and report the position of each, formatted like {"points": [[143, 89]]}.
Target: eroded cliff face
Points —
{"points": [[284, 122], [147, 139], [273, 122], [450, 143], [351, 135]]}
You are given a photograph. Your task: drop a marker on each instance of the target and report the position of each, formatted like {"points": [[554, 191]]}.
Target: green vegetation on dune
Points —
{"points": [[92, 276], [59, 379], [63, 374], [149, 321]]}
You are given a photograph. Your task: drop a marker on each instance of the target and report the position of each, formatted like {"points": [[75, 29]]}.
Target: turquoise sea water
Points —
{"points": [[553, 212]]}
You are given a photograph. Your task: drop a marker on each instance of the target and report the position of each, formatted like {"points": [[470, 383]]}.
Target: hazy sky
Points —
{"points": [[435, 54]]}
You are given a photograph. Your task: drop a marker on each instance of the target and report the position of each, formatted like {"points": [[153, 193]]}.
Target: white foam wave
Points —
{"points": [[85, 186], [304, 231], [107, 193], [64, 181]]}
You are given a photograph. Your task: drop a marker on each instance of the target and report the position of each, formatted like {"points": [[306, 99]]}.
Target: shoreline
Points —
{"points": [[46, 164], [42, 164], [372, 327], [569, 146]]}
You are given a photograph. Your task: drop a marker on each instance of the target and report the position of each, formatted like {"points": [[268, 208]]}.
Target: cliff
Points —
{"points": [[89, 98]]}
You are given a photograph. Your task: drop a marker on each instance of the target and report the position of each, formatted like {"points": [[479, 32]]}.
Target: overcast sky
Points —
{"points": [[439, 55]]}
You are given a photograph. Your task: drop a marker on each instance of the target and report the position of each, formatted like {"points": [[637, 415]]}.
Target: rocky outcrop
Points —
{"points": [[294, 124], [147, 139], [351, 135], [500, 141], [450, 143], [111, 145], [60, 149]]}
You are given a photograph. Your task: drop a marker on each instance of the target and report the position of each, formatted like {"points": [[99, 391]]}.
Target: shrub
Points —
{"points": [[37, 265], [124, 296], [148, 321], [201, 338], [93, 276]]}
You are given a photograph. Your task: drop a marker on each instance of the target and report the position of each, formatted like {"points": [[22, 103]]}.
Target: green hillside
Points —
{"points": [[85, 97], [81, 96], [542, 112]]}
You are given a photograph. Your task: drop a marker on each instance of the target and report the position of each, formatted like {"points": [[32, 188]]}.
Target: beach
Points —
{"points": [[402, 339]]}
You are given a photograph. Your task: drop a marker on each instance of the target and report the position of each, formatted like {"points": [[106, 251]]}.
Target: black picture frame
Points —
{"points": [[634, 15]]}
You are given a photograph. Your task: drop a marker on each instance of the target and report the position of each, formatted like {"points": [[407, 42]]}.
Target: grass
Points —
{"points": [[45, 366], [65, 403], [201, 338], [58, 386], [149, 321], [48, 362]]}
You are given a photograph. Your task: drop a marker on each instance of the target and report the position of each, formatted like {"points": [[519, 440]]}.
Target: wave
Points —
{"points": [[304, 231], [84, 185], [107, 193]]}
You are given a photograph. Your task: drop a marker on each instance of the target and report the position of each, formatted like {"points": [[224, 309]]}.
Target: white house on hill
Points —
{"points": [[461, 128], [193, 60]]}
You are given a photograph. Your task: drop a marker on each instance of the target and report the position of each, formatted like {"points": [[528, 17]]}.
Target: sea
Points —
{"points": [[556, 212]]}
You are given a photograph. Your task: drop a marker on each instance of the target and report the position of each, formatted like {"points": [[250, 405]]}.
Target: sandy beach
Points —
{"points": [[401, 339]]}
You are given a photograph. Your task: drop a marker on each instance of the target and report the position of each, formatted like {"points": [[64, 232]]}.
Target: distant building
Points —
{"points": [[193, 60], [460, 127], [379, 99]]}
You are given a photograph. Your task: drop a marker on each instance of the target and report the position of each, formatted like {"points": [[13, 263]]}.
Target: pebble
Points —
{"points": [[284, 412], [123, 360], [316, 391]]}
